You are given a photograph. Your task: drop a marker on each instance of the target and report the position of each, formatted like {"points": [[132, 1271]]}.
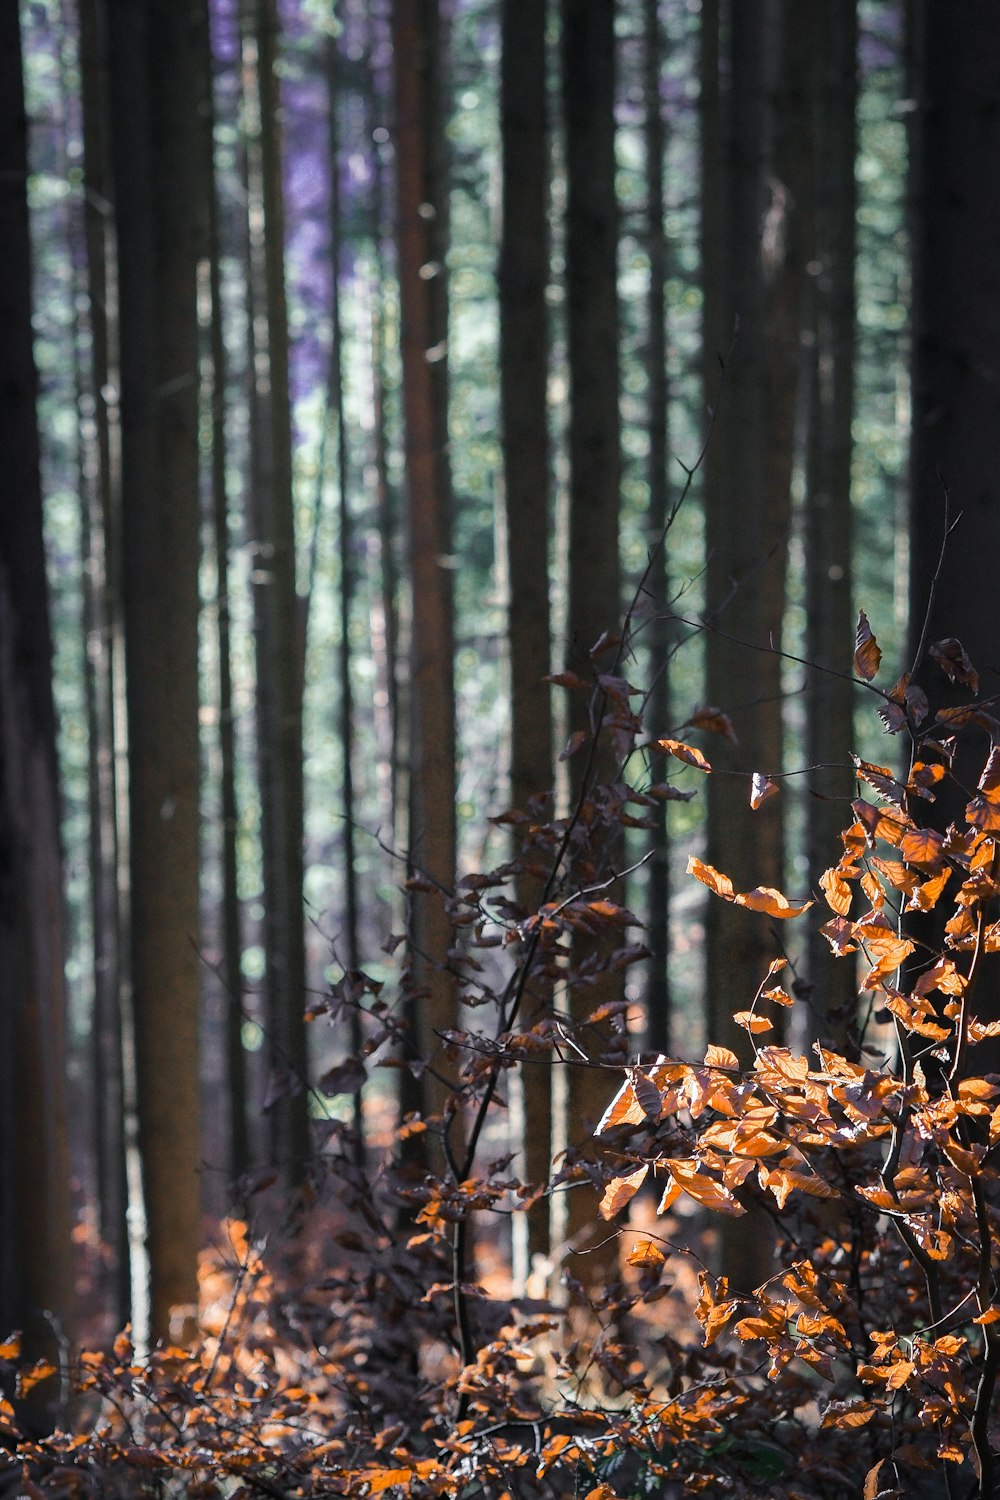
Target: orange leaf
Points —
{"points": [[624, 1109], [714, 879], [751, 1022], [922, 846], [686, 753], [836, 891], [762, 789], [646, 1255], [989, 781], [703, 1189], [720, 1057], [867, 656], [765, 898], [848, 1414], [620, 1191]]}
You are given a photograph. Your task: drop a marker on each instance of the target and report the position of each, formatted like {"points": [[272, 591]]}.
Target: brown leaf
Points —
{"points": [[848, 1414], [646, 1255], [765, 898], [714, 720], [836, 890], [714, 879], [720, 1057], [576, 739], [951, 658], [620, 1191], [762, 789], [750, 1021], [867, 656], [687, 753]]}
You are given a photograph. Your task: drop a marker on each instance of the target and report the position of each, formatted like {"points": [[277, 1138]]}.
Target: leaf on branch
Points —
{"points": [[576, 739], [983, 813], [951, 658], [703, 1189], [720, 1057], [849, 1414], [836, 891], [879, 824], [750, 1021], [881, 780], [347, 1077], [867, 656], [714, 720], [687, 753], [620, 1191], [662, 791], [922, 846], [646, 1255], [714, 879], [714, 1307], [765, 898], [762, 789], [568, 680]]}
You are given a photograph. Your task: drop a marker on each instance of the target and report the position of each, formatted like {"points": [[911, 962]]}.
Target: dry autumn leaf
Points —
{"points": [[762, 789], [687, 753], [867, 656]]}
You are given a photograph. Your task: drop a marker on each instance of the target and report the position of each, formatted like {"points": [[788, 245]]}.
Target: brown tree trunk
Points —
{"points": [[154, 53], [588, 73], [36, 1281], [523, 276], [828, 517], [657, 417], [422, 241], [279, 611], [955, 438], [765, 173]]}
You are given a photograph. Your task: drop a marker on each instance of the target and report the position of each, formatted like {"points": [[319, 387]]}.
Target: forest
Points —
{"points": [[499, 757]]}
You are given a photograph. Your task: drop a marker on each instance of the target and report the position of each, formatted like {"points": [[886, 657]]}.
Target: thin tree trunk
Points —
{"points": [[523, 277], [280, 619], [658, 405], [238, 1139], [588, 74], [828, 516], [422, 241]]}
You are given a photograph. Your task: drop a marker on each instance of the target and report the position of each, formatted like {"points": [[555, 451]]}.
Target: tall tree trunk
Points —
{"points": [[101, 503], [588, 74], [955, 437], [765, 142], [279, 615], [36, 1282], [828, 520], [657, 418], [523, 276], [154, 54], [422, 240], [345, 556], [238, 1140]]}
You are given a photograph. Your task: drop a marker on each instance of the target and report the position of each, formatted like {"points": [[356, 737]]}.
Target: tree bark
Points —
{"points": [[154, 50], [36, 1280], [523, 276]]}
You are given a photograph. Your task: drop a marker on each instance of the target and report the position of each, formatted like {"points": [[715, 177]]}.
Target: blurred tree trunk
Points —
{"points": [[828, 525], [766, 144], [588, 74], [523, 276], [422, 240], [36, 1278], [350, 957], [230, 930], [955, 435], [101, 532], [279, 611], [156, 102], [658, 635]]}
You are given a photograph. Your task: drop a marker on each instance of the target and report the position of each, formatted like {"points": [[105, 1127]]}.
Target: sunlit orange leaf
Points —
{"points": [[715, 1307], [951, 658], [671, 1193], [602, 1492], [778, 996], [836, 890], [687, 753], [849, 1414], [926, 774], [881, 780], [983, 813], [989, 1316], [770, 1321], [922, 846], [714, 879], [809, 1327], [752, 1022], [646, 1255], [620, 1191], [714, 720], [720, 1057], [879, 823], [624, 1109], [935, 1242], [11, 1347], [840, 934], [703, 1189], [896, 875], [762, 789], [782, 1182], [765, 898], [925, 897], [882, 944], [867, 656]]}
